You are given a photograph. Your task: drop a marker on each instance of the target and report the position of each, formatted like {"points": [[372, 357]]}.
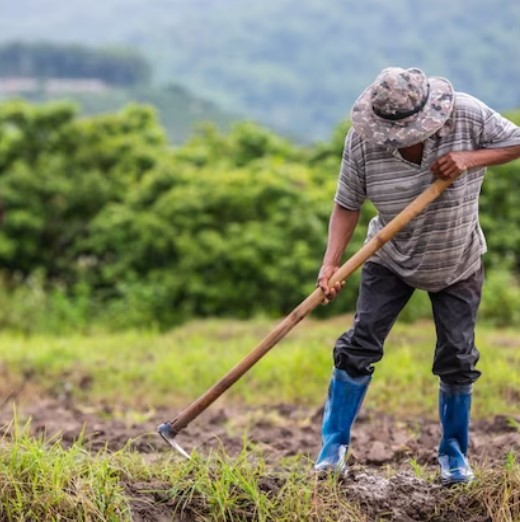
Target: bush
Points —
{"points": [[104, 222], [501, 301], [30, 306]]}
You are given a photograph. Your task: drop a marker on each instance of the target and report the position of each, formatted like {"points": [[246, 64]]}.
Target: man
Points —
{"points": [[406, 129]]}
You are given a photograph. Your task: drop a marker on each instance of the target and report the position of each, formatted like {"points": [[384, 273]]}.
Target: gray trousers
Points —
{"points": [[382, 295]]}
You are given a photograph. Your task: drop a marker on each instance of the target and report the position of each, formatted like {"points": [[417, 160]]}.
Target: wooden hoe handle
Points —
{"points": [[311, 302]]}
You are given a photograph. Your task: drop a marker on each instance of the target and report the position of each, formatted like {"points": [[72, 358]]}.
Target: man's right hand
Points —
{"points": [[330, 292]]}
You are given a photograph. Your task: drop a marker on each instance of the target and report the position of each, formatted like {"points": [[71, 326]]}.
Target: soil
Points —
{"points": [[380, 479]]}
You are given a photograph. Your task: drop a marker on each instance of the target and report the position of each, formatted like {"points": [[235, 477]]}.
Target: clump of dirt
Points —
{"points": [[150, 502], [403, 497], [384, 497]]}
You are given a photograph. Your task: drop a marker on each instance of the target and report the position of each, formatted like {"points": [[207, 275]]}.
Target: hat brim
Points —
{"points": [[410, 130]]}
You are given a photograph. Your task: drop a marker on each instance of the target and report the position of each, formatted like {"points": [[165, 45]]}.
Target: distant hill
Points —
{"points": [[179, 111], [297, 65], [113, 66], [100, 80]]}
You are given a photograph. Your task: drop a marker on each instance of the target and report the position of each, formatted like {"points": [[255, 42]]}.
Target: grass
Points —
{"points": [[40, 480], [138, 371], [141, 370]]}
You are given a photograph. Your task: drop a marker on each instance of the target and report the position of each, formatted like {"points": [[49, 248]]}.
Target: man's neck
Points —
{"points": [[413, 153]]}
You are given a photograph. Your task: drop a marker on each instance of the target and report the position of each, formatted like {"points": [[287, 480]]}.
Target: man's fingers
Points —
{"points": [[443, 166], [326, 292], [445, 160], [437, 168], [329, 289], [328, 297], [441, 161], [330, 293], [322, 283], [454, 171], [450, 172], [446, 169]]}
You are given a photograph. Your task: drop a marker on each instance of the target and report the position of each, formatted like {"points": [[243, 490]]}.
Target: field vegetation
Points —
{"points": [[101, 80], [134, 275], [139, 370], [106, 225], [134, 379]]}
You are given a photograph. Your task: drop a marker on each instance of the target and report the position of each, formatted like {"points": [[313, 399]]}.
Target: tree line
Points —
{"points": [[115, 66], [104, 221]]}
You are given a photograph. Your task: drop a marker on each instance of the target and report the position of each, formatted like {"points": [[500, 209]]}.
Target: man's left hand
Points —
{"points": [[452, 164]]}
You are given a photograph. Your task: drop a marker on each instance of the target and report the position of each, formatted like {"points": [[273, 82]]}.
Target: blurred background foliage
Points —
{"points": [[294, 65], [106, 225], [101, 80], [115, 66]]}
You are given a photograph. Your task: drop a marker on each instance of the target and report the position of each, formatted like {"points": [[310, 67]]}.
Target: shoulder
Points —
{"points": [[357, 146], [468, 106], [353, 138]]}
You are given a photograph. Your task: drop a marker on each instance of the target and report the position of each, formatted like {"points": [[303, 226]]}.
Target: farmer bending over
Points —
{"points": [[406, 129]]}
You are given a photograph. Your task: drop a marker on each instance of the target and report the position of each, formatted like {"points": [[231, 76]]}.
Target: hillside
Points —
{"points": [[179, 111], [295, 65], [101, 79]]}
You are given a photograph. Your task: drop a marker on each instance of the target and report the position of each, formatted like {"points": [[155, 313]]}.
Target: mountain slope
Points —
{"points": [[295, 64], [178, 110]]}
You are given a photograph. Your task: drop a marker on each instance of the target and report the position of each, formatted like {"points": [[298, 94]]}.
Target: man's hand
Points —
{"points": [[330, 292], [453, 164]]}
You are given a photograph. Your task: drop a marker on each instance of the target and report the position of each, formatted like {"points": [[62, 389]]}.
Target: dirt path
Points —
{"points": [[379, 443]]}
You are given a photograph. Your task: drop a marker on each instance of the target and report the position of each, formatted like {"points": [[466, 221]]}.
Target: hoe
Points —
{"points": [[169, 430]]}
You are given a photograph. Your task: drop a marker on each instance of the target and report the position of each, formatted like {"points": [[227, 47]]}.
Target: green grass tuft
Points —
{"points": [[42, 481]]}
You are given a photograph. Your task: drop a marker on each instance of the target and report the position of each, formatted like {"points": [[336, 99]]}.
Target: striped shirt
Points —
{"points": [[445, 242]]}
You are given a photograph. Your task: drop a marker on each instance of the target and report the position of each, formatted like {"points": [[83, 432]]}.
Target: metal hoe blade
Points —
{"points": [[168, 434]]}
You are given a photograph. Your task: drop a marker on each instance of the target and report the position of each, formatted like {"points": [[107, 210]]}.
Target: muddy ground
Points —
{"points": [[381, 478]]}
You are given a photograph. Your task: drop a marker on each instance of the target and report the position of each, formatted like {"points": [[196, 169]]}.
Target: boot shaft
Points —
{"points": [[454, 414], [344, 399]]}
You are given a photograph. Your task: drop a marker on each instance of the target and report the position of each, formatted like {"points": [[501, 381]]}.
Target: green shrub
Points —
{"points": [[29, 306], [501, 301], [105, 222]]}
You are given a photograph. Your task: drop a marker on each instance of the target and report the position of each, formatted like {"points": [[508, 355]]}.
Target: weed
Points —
{"points": [[513, 423], [422, 471]]}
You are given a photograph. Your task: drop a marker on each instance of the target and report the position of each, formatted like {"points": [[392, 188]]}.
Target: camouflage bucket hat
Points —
{"points": [[402, 107]]}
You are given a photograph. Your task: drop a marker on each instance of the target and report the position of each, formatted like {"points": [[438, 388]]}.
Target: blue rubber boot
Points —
{"points": [[454, 411], [343, 402]]}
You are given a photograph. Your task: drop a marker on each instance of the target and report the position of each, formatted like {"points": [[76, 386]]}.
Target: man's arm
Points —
{"points": [[454, 163], [341, 227]]}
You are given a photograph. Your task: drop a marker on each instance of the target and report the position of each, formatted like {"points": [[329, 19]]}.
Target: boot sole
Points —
{"points": [[324, 474], [451, 483]]}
